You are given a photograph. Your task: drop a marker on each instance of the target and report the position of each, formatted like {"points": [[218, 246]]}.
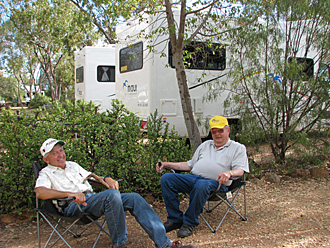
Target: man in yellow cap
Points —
{"points": [[214, 162]]}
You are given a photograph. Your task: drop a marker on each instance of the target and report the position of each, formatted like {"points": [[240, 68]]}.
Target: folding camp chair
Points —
{"points": [[60, 224], [229, 198], [220, 197]]}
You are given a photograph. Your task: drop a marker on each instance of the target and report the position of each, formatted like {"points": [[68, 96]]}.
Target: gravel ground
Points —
{"points": [[292, 213]]}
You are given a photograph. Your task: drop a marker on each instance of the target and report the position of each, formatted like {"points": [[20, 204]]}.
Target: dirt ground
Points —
{"points": [[292, 213]]}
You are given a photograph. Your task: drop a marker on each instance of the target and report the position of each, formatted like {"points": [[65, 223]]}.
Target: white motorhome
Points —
{"points": [[95, 75], [147, 81]]}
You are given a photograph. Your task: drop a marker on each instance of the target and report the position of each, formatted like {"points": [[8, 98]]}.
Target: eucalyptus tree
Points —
{"points": [[188, 24], [7, 88], [105, 15], [48, 33], [280, 71], [14, 65], [206, 21]]}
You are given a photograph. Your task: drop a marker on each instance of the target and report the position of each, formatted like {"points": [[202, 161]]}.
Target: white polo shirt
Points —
{"points": [[69, 179], [209, 162]]}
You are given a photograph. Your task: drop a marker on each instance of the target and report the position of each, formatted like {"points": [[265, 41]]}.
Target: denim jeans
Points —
{"points": [[198, 188], [113, 205]]}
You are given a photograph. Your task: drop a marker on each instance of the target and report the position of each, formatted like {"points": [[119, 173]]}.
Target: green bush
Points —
{"points": [[109, 143], [39, 100]]}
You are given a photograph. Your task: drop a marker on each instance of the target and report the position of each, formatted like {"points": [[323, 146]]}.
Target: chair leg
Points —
{"points": [[230, 205], [245, 215], [98, 236], [38, 228], [60, 236]]}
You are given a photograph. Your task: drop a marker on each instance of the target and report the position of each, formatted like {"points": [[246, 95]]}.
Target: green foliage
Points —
{"points": [[39, 101], [38, 43], [278, 102], [109, 143], [312, 150], [8, 88]]}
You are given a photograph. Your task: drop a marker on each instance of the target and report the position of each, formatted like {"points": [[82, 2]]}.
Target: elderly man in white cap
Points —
{"points": [[213, 163], [61, 179]]}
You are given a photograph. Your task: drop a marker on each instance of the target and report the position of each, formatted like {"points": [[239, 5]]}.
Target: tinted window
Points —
{"points": [[80, 74], [306, 65], [105, 73], [199, 55], [131, 58]]}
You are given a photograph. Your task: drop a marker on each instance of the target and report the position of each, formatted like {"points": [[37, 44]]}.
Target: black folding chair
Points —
{"points": [[60, 225], [217, 198]]}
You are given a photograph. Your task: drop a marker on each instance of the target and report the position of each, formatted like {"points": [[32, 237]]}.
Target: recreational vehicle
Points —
{"points": [[146, 81], [95, 75]]}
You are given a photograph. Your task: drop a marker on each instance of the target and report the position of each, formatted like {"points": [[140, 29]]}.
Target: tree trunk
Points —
{"points": [[192, 128], [177, 43]]}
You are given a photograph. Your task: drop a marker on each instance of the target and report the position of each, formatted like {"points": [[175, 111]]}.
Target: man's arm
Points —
{"points": [[180, 166], [46, 193]]}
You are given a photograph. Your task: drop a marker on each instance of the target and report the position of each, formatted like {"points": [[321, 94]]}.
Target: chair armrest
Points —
{"points": [[95, 183], [175, 171], [63, 199]]}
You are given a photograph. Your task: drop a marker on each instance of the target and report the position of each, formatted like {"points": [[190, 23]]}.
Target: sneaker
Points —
{"points": [[170, 226], [185, 231], [178, 244]]}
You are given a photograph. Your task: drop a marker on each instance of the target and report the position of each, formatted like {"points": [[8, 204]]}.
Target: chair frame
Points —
{"points": [[83, 219], [223, 197]]}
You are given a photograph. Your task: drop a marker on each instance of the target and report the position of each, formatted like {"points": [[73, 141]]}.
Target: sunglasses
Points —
{"points": [[218, 130]]}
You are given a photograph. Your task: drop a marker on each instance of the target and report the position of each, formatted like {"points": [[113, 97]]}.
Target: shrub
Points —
{"points": [[39, 100], [109, 143]]}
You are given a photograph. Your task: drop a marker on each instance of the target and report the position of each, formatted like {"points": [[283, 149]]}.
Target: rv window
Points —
{"points": [[199, 55], [105, 73], [307, 70], [80, 74], [131, 58]]}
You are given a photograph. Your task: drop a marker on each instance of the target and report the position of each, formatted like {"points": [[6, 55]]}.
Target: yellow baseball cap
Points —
{"points": [[218, 122]]}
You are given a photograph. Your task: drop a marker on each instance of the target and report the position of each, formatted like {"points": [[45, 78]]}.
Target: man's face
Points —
{"points": [[220, 135], [56, 157]]}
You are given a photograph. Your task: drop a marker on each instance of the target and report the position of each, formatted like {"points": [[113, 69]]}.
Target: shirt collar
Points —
{"points": [[54, 168], [225, 145]]}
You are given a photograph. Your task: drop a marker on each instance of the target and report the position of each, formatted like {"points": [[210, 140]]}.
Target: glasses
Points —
{"points": [[217, 130]]}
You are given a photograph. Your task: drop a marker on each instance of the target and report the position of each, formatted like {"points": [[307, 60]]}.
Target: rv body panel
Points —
{"points": [[95, 75]]}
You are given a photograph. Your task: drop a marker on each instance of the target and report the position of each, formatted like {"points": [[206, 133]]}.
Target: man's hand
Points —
{"points": [[160, 166], [223, 177], [79, 198], [113, 184]]}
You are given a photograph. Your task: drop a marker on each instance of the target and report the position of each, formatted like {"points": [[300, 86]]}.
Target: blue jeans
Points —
{"points": [[198, 188], [113, 205]]}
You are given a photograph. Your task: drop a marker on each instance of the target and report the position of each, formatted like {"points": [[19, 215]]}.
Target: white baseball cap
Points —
{"points": [[48, 145]]}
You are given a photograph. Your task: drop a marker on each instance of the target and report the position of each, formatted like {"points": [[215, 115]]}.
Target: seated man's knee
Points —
{"points": [[166, 178], [113, 194]]}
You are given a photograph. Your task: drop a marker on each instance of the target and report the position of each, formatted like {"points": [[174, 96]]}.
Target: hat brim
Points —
{"points": [[217, 126], [60, 142]]}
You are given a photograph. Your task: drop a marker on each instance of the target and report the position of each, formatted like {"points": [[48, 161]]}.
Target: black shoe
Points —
{"points": [[170, 226], [185, 231]]}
